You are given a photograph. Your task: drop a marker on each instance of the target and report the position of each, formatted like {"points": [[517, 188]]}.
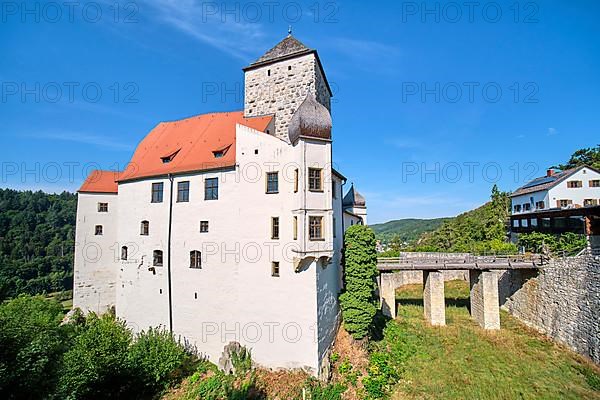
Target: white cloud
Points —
{"points": [[209, 23], [552, 131]]}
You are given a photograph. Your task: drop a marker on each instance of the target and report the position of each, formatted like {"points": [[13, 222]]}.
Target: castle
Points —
{"points": [[228, 227]]}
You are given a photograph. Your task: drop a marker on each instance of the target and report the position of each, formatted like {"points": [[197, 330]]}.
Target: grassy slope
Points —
{"points": [[408, 229], [462, 361]]}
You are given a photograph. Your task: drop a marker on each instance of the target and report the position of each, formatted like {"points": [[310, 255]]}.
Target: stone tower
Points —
{"points": [[279, 82]]}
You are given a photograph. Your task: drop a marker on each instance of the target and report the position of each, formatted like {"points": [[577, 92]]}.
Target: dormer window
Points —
{"points": [[221, 152], [169, 158]]}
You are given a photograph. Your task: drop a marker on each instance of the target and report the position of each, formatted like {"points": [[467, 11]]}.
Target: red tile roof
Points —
{"points": [[100, 182], [190, 144]]}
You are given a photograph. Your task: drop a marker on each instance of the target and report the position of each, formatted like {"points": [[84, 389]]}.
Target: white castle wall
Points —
{"points": [[95, 264]]}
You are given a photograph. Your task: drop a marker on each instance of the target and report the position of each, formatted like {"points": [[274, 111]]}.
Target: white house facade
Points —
{"points": [[572, 188], [227, 227]]}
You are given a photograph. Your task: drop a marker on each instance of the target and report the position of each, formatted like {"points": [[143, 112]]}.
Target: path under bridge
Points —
{"points": [[483, 281]]}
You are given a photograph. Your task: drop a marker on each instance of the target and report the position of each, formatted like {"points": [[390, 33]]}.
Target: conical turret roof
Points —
{"points": [[353, 198]]}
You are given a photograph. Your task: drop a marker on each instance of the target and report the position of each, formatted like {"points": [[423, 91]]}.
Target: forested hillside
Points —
{"points": [[405, 230], [37, 233], [481, 230]]}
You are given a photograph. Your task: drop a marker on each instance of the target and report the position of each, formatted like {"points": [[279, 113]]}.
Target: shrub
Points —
{"points": [[97, 365], [358, 301], [31, 345], [158, 360]]}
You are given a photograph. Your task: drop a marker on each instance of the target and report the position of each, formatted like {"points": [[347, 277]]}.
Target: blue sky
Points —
{"points": [[434, 101]]}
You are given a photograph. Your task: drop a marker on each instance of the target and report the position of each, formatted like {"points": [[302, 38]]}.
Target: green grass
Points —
{"points": [[462, 361]]}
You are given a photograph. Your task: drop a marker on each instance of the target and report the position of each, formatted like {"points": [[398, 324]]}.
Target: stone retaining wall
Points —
{"points": [[561, 301]]}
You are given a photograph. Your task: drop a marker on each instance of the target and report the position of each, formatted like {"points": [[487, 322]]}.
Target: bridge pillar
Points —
{"points": [[433, 297], [388, 294], [485, 305]]}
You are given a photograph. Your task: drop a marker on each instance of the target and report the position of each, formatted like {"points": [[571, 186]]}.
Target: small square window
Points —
{"points": [[102, 207], [272, 182], [145, 228], [203, 226], [595, 183], [574, 184], [99, 230], [275, 269]]}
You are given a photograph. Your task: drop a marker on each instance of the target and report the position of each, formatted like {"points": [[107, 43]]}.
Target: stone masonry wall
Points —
{"points": [[281, 87], [562, 301]]}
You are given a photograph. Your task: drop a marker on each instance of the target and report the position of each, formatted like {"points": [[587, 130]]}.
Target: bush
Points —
{"points": [[565, 244], [31, 345], [358, 301], [97, 365], [159, 360]]}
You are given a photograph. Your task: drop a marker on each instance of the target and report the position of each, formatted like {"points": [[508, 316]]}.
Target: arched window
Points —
{"points": [[157, 259], [145, 228], [124, 253], [195, 259]]}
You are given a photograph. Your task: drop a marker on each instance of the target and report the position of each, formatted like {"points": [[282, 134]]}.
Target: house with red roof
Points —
{"points": [[228, 227]]}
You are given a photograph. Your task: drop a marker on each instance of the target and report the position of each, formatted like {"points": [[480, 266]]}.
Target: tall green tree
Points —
{"points": [[588, 156], [358, 301]]}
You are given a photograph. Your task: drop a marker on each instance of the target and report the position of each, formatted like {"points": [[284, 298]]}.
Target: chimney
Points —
{"points": [[550, 172]]}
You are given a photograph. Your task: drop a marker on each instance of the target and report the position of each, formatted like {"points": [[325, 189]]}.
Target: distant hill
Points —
{"points": [[408, 230]]}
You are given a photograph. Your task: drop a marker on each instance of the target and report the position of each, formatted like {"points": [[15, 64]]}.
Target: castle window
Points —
{"points": [[102, 207], [526, 206], [289, 67], [595, 183], [315, 228], [157, 192], [574, 184], [145, 228], [124, 253], [275, 269], [183, 192], [272, 182], [98, 231], [195, 259], [275, 228], [268, 72], [157, 258], [517, 208], [211, 189], [255, 151], [296, 173], [314, 180], [295, 228], [590, 202], [169, 158], [203, 226], [539, 205]]}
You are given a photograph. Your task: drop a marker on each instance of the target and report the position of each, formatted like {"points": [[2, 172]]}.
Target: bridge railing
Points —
{"points": [[460, 258]]}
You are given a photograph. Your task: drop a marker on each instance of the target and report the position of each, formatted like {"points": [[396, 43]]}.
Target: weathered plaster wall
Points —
{"points": [[96, 257], [562, 301]]}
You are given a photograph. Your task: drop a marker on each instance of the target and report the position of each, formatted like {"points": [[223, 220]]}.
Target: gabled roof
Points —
{"points": [[287, 48], [353, 198], [99, 181], [547, 182], [190, 144]]}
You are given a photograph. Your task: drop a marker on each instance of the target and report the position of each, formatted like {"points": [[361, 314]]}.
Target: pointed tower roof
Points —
{"points": [[289, 47], [353, 198]]}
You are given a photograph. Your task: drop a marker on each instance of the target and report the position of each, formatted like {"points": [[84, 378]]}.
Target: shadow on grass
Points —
{"points": [[450, 302]]}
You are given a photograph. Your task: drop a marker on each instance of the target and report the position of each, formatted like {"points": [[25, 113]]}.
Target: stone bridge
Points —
{"points": [[483, 279]]}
